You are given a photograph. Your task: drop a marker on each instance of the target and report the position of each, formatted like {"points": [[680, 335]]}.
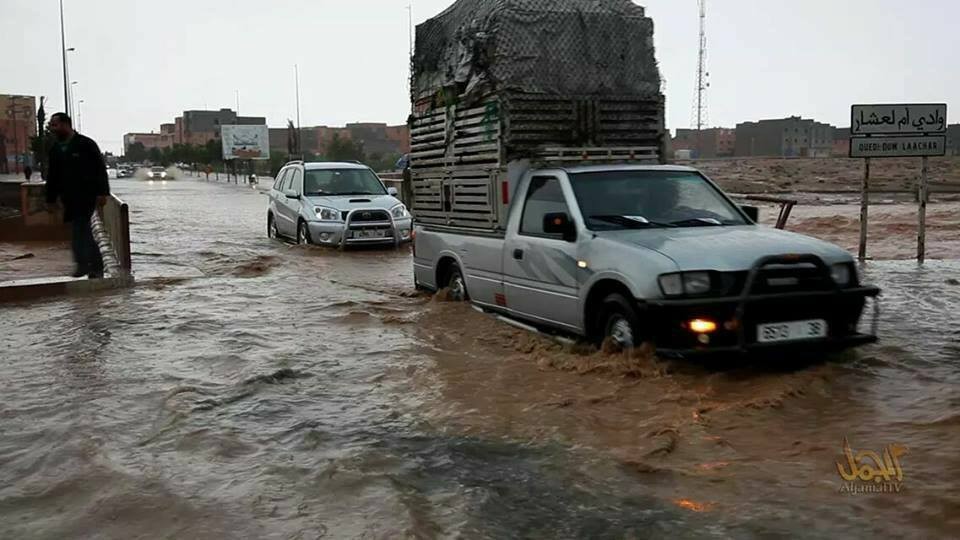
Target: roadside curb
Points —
{"points": [[36, 289]]}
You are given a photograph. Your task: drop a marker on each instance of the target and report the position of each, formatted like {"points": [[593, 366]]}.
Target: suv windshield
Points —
{"points": [[342, 182], [158, 169], [643, 199]]}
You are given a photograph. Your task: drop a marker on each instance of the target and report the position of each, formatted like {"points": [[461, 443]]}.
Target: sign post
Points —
{"points": [[864, 209], [922, 233], [900, 130]]}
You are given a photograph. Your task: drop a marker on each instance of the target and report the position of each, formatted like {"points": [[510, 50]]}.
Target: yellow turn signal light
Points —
{"points": [[702, 326]]}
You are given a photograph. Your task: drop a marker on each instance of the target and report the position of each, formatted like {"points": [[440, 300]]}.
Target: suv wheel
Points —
{"points": [[457, 285], [303, 234], [620, 323], [272, 231]]}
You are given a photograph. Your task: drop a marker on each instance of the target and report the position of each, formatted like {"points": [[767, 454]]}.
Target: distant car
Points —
{"points": [[124, 172], [335, 204], [112, 173], [157, 173]]}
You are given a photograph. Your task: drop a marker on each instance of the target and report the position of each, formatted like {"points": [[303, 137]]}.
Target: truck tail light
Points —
{"points": [[505, 191]]}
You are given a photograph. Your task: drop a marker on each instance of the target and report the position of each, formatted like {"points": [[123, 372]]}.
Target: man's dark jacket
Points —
{"points": [[77, 176]]}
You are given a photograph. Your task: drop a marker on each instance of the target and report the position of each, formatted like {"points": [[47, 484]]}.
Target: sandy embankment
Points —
{"points": [[829, 200]]}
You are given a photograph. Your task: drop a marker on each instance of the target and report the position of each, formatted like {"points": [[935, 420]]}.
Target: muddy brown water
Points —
{"points": [[251, 389]]}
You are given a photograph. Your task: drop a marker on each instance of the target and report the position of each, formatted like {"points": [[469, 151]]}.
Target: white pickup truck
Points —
{"points": [[646, 253]]}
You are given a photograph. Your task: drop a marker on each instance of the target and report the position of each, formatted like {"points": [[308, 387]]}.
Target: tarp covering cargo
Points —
{"points": [[560, 47]]}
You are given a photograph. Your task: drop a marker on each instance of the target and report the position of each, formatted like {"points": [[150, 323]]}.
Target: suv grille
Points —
{"points": [[368, 216]]}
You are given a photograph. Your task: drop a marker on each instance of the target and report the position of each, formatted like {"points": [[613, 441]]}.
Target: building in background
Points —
{"points": [[377, 138], [708, 143], [953, 140], [841, 142], [200, 127], [195, 128], [18, 125], [786, 137], [148, 140]]}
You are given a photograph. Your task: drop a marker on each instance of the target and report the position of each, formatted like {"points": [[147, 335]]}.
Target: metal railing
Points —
{"points": [[786, 207]]}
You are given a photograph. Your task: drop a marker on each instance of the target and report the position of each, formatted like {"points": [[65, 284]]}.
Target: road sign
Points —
{"points": [[902, 119], [885, 146]]}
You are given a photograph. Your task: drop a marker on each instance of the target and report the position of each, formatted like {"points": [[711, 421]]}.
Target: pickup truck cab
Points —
{"points": [[647, 253]]}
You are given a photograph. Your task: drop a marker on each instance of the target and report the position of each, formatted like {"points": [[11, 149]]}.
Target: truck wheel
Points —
{"points": [[619, 322], [456, 284]]}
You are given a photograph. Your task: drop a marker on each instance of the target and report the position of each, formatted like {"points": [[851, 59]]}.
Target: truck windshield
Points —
{"points": [[647, 199], [342, 182]]}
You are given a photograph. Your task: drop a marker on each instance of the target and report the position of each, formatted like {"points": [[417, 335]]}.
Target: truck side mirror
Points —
{"points": [[291, 194], [392, 191], [560, 223], [752, 212]]}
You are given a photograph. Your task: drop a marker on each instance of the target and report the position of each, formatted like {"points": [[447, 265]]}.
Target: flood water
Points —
{"points": [[251, 389]]}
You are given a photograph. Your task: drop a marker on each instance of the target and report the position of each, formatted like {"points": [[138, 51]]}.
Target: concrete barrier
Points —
{"points": [[111, 229]]}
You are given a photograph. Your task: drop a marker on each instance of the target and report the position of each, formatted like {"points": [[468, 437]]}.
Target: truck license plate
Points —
{"points": [[369, 234], [791, 331]]}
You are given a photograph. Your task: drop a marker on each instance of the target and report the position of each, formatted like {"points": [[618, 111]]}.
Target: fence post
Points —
{"points": [[864, 210]]}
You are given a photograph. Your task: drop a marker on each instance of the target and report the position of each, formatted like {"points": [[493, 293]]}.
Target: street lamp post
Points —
{"points": [[67, 102], [72, 105], [80, 115]]}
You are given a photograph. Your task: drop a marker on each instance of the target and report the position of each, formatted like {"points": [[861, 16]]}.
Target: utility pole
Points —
{"points": [[296, 72], [80, 116], [702, 78], [66, 78], [238, 102]]}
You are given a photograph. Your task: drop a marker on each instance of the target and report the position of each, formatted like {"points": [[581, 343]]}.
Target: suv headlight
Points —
{"points": [[399, 211], [842, 274], [681, 283], [327, 214]]}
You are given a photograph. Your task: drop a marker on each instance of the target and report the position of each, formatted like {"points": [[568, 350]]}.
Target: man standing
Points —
{"points": [[78, 178]]}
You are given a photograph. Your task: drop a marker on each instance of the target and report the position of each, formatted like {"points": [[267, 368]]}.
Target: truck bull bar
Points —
{"points": [[741, 310]]}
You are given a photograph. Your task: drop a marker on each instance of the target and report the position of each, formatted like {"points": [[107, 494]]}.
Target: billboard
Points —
{"points": [[245, 142]]}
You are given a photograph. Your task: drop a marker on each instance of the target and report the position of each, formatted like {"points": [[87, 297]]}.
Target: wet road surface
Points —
{"points": [[252, 389]]}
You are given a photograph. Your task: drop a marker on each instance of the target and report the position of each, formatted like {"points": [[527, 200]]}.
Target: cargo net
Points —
{"points": [[564, 47]]}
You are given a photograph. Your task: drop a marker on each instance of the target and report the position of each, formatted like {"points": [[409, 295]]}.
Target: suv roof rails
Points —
{"points": [[295, 162]]}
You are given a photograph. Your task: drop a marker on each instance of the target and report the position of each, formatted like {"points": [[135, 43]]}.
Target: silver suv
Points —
{"points": [[335, 204]]}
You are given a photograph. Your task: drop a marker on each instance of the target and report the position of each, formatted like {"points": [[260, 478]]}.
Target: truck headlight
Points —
{"points": [[841, 274], [163, 175], [399, 211], [681, 283], [672, 284], [327, 214]]}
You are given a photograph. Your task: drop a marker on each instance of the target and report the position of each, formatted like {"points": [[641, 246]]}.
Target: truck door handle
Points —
{"points": [[518, 254]]}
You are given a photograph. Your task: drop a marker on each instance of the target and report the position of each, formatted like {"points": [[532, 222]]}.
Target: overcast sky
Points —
{"points": [[139, 63]]}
